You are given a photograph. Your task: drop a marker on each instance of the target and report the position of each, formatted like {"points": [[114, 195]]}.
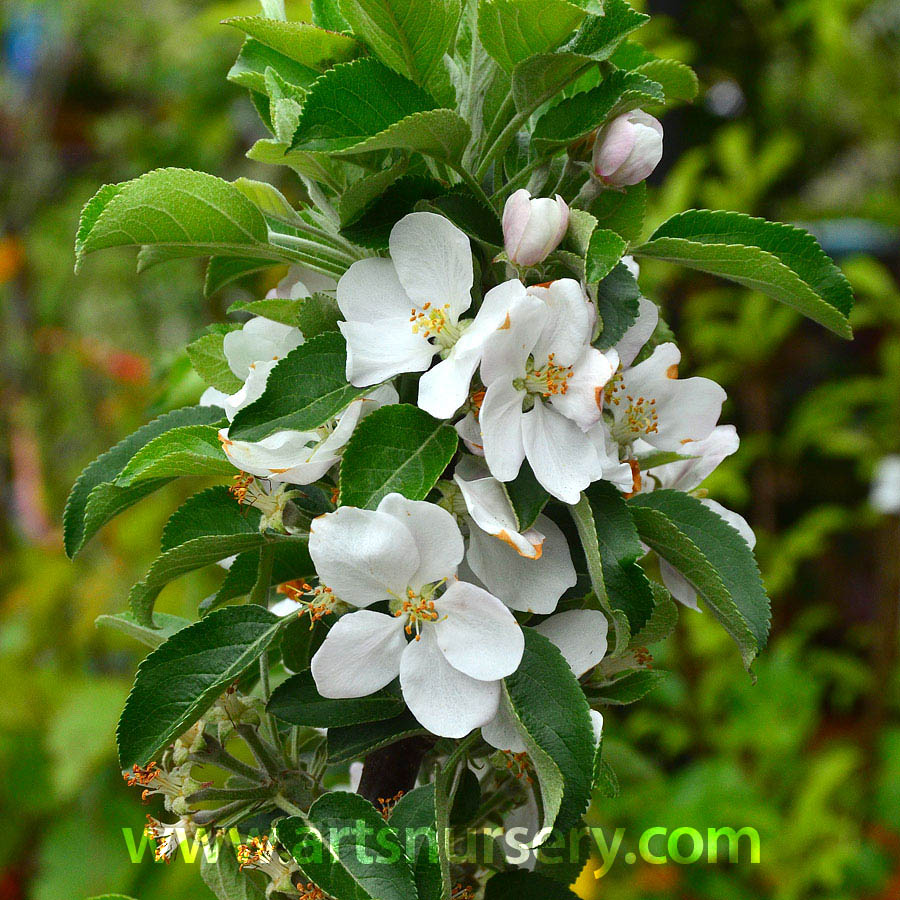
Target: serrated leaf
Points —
{"points": [[224, 877], [679, 82], [94, 499], [182, 678], [313, 47], [255, 59], [552, 716], [355, 741], [298, 701], [223, 270], [363, 192], [396, 448], [627, 586], [327, 14], [269, 200], [413, 819], [207, 356], [581, 114], [163, 626], [622, 210], [410, 36], [372, 228], [276, 309], [605, 250], [526, 495], [539, 78], [305, 389], [662, 620], [189, 450], [779, 260], [513, 30], [629, 688], [317, 166], [616, 299], [470, 215], [324, 844], [599, 36], [192, 212], [313, 315], [524, 885]]}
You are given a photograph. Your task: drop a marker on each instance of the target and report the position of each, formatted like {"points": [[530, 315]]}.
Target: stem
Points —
{"points": [[306, 246], [283, 803], [260, 750], [208, 816], [473, 184], [260, 592], [215, 754], [231, 794]]}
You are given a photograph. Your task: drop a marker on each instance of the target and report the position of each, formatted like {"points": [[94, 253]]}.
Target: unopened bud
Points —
{"points": [[533, 227], [628, 149]]}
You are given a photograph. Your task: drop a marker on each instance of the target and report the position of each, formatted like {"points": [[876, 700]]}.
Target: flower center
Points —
{"points": [[319, 601], [639, 418], [417, 607], [435, 322], [547, 381]]}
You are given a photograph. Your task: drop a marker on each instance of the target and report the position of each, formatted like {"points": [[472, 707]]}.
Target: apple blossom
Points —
{"points": [[533, 227], [628, 149], [464, 640], [544, 390]]}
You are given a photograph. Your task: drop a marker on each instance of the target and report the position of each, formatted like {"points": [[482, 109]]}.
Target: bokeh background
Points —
{"points": [[798, 120]]}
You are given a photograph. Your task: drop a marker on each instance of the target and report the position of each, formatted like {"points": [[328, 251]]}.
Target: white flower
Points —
{"points": [[544, 389], [300, 283], [580, 635], [401, 311], [302, 457], [528, 571], [259, 341], [168, 837], [628, 149], [704, 458], [649, 402], [464, 640], [533, 228], [885, 494]]}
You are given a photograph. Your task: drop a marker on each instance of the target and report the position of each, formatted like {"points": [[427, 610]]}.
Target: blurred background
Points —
{"points": [[797, 120]]}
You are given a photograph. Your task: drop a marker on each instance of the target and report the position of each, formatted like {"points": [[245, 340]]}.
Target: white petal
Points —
{"points": [[735, 520], [679, 587], [433, 261], [631, 343], [501, 732], [486, 500], [580, 635], [443, 699], [435, 533], [252, 390], [569, 325], [477, 633], [469, 429], [528, 585], [583, 400], [508, 347], [597, 723], [618, 473], [378, 351], [280, 457], [213, 397], [260, 340], [562, 456], [369, 291], [706, 455], [360, 655], [501, 429], [363, 555]]}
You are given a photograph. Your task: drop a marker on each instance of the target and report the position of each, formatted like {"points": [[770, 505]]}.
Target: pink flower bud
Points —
{"points": [[533, 228], [628, 149]]}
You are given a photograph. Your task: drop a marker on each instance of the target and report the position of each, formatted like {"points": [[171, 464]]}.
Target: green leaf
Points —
{"points": [[581, 114], [207, 355], [163, 626], [189, 450], [346, 848], [95, 499], [298, 701], [355, 741], [372, 228], [440, 133], [539, 78], [396, 448], [620, 547], [526, 495], [779, 260], [254, 60], [317, 315], [360, 195], [269, 200], [208, 527], [327, 14], [662, 620], [188, 211], [524, 885], [552, 716], [305, 389], [413, 819], [410, 36], [182, 678], [616, 298], [679, 82], [223, 270], [317, 166], [622, 210], [313, 47], [713, 557], [513, 30], [599, 36], [605, 250], [629, 688], [224, 877], [470, 215]]}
